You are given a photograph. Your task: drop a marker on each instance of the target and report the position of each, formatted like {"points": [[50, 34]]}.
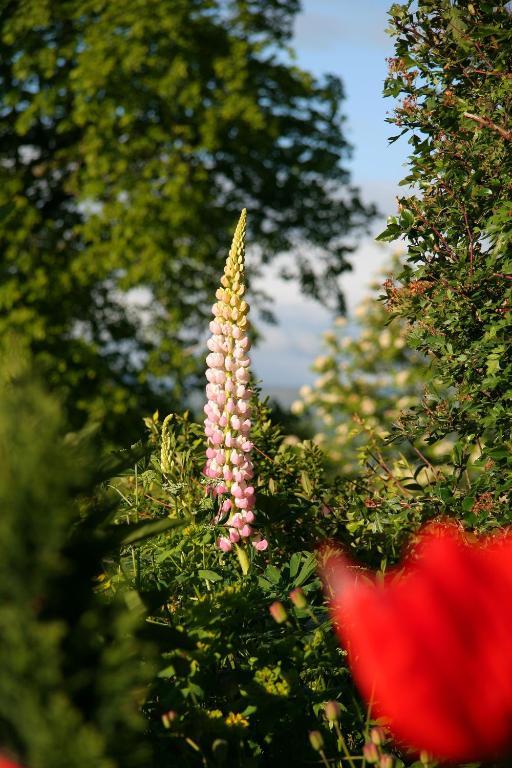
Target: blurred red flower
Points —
{"points": [[5, 763], [430, 643]]}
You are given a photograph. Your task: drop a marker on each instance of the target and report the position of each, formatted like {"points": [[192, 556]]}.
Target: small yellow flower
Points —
{"points": [[273, 681], [189, 529], [236, 719], [213, 714]]}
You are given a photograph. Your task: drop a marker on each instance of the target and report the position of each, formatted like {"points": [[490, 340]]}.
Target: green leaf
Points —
{"points": [[134, 533], [307, 569], [295, 561], [204, 573], [306, 483], [273, 574]]}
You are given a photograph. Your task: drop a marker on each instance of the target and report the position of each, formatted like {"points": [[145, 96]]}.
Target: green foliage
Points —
{"points": [[451, 300], [233, 684], [131, 136], [72, 675], [452, 68]]}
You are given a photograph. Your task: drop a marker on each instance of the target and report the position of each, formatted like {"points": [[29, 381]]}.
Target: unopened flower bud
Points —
{"points": [[332, 711], [378, 736], [371, 753], [424, 758], [278, 612], [316, 740], [168, 718], [298, 598], [386, 761]]}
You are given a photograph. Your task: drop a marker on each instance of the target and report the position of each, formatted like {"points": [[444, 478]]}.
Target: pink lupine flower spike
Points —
{"points": [[228, 411]]}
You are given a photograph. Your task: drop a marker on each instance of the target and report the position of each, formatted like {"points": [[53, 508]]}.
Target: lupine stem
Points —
{"points": [[343, 744]]}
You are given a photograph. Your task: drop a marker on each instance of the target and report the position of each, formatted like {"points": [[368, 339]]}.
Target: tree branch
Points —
{"points": [[486, 123]]}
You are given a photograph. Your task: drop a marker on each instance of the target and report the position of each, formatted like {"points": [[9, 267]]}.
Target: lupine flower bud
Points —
{"points": [[298, 598], [278, 612], [371, 753], [167, 720], [378, 736], [166, 455], [316, 740], [386, 761], [228, 411], [332, 711]]}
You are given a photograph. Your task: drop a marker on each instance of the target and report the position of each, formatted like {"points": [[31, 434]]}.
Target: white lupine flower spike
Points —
{"points": [[228, 412]]}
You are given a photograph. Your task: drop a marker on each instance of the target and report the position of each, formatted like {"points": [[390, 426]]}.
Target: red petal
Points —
{"points": [[5, 763], [432, 644]]}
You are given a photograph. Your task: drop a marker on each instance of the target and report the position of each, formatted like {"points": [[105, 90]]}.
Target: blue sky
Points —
{"points": [[347, 38]]}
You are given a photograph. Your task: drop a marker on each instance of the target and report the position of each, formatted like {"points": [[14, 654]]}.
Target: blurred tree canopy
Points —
{"points": [[369, 377], [71, 677], [132, 135]]}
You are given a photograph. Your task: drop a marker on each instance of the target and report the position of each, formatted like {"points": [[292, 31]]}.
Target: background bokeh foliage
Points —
{"points": [[132, 135]]}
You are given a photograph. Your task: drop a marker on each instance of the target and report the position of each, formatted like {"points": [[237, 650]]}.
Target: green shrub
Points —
{"points": [[452, 72], [229, 671]]}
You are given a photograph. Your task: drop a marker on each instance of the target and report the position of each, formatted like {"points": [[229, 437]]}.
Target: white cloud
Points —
{"points": [[284, 356]]}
